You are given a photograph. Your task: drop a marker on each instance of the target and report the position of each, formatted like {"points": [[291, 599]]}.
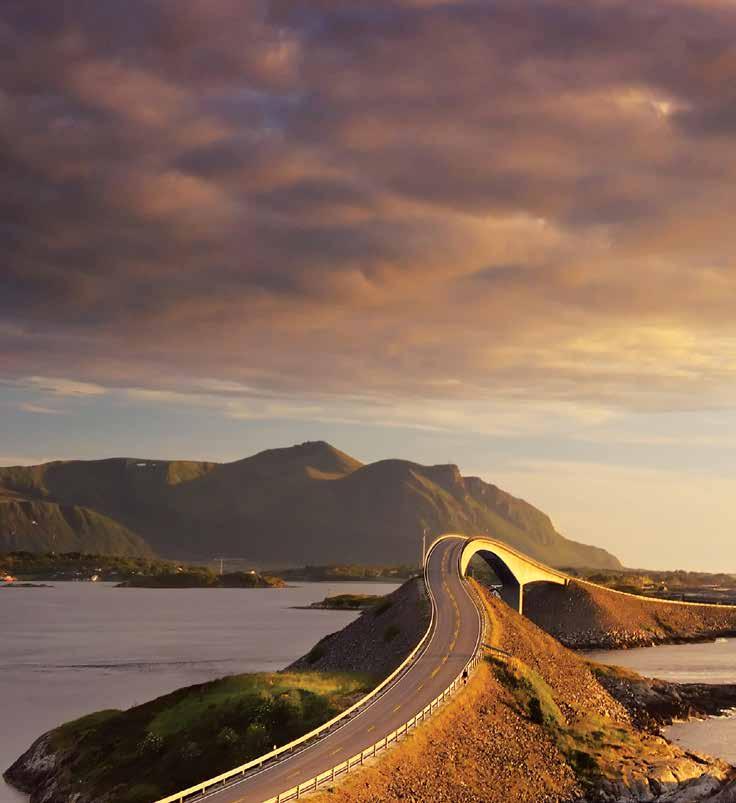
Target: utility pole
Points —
{"points": [[223, 558]]}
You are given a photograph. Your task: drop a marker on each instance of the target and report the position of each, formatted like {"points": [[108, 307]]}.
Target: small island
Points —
{"points": [[13, 584], [347, 602], [203, 578], [19, 569], [351, 571]]}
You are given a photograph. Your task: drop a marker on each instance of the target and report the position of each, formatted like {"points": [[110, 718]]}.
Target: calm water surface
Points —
{"points": [[79, 647], [688, 663]]}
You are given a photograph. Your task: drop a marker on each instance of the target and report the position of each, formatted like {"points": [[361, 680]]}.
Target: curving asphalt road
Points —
{"points": [[451, 646]]}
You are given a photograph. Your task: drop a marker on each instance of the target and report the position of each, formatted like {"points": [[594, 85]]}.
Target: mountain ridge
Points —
{"points": [[309, 503]]}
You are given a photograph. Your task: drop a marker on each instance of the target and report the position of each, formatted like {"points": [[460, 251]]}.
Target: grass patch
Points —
{"points": [[533, 695], [195, 733], [350, 602], [71, 732], [613, 671], [592, 746]]}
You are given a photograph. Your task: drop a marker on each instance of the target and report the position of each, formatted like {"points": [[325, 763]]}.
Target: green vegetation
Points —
{"points": [[531, 692], [315, 503], [316, 574], [133, 572], [197, 732], [592, 745], [679, 578], [200, 577], [42, 525], [349, 602], [612, 671], [79, 566], [678, 585]]}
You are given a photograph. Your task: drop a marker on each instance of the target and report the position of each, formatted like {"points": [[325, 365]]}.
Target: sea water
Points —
{"points": [[74, 648], [712, 662]]}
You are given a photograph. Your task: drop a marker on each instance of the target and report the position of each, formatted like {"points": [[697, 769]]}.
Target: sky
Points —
{"points": [[498, 234]]}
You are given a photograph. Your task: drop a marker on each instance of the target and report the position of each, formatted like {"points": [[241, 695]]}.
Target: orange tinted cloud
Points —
{"points": [[528, 197]]}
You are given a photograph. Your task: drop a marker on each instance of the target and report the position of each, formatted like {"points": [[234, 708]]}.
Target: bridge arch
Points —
{"points": [[514, 569]]}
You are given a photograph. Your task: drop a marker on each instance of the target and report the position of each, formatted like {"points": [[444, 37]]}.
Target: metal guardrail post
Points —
{"points": [[178, 797], [381, 744]]}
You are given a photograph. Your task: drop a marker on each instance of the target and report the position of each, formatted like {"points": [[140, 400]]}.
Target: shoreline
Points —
{"points": [[644, 643], [652, 704]]}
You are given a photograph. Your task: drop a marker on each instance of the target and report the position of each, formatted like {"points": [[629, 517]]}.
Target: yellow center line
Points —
{"points": [[396, 707], [335, 752]]}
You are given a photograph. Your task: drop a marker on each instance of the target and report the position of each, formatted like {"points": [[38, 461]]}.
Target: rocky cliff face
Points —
{"points": [[652, 703], [536, 724], [37, 772]]}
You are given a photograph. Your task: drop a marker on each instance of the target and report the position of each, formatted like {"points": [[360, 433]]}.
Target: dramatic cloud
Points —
{"points": [[412, 199]]}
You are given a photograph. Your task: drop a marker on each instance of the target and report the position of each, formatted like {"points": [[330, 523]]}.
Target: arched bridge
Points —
{"points": [[437, 667], [514, 569]]}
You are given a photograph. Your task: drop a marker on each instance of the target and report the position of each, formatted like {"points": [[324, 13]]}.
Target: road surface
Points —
{"points": [[451, 646]]}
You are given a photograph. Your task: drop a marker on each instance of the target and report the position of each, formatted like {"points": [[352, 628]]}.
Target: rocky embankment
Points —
{"points": [[536, 724], [652, 703], [36, 769], [585, 616], [378, 640]]}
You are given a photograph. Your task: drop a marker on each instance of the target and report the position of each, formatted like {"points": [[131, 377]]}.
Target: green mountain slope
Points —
{"points": [[305, 504], [38, 526]]}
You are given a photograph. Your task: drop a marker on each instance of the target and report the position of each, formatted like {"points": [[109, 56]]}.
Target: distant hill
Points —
{"points": [[39, 526], [305, 504]]}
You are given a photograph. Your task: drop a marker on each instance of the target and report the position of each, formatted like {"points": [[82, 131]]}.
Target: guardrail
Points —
{"points": [[359, 758], [570, 578], [329, 775], [222, 779]]}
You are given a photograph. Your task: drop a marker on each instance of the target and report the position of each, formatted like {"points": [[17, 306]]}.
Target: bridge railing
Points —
{"points": [[192, 792], [329, 775]]}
